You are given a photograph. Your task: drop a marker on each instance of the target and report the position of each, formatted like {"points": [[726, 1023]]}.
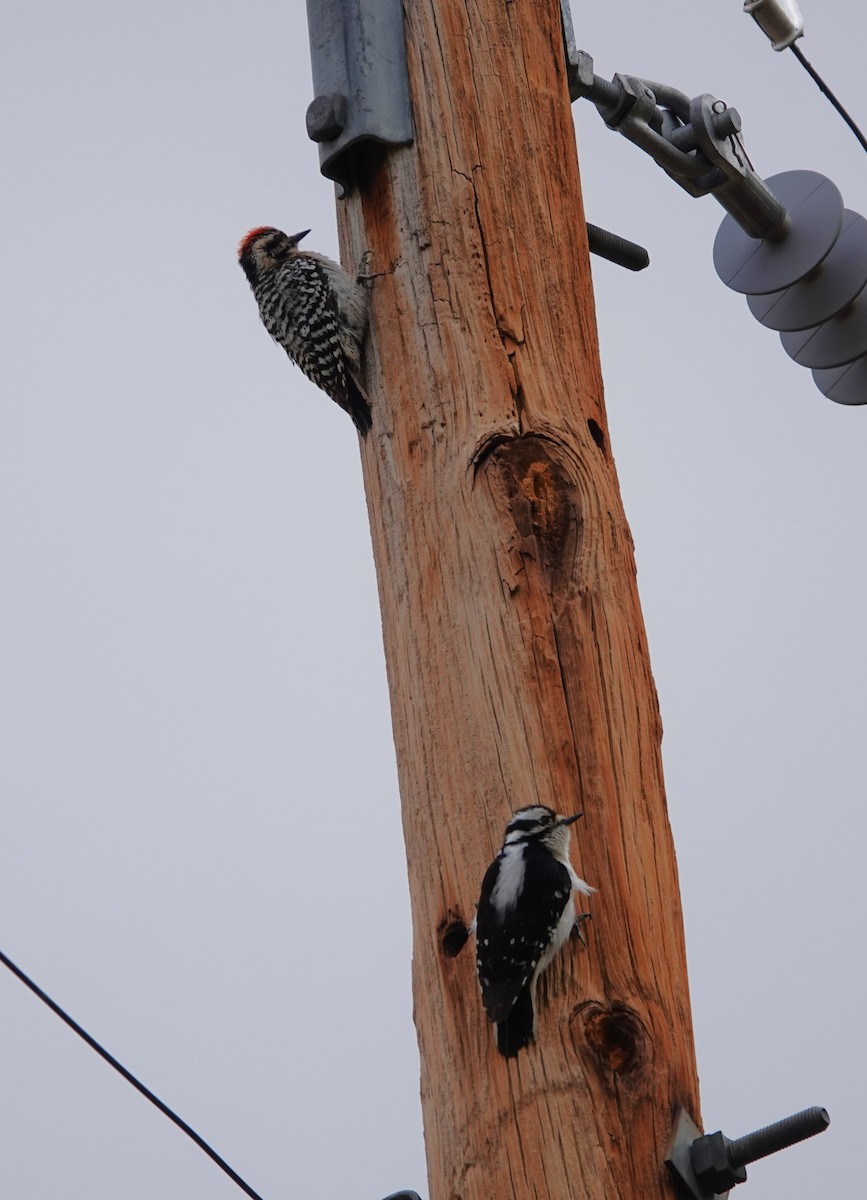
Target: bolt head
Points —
{"points": [[583, 71], [710, 1162], [326, 117]]}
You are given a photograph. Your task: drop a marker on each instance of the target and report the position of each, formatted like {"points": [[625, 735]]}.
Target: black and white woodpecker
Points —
{"points": [[525, 914], [314, 310]]}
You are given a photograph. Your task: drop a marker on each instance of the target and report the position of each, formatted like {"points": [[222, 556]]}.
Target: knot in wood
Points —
{"points": [[529, 476], [615, 1035]]}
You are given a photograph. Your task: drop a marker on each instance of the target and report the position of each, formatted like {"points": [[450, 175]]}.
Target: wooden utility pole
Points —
{"points": [[516, 652]]}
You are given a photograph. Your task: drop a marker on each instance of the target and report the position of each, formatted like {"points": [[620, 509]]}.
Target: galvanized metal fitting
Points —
{"points": [[780, 20], [709, 1165], [695, 141], [358, 55]]}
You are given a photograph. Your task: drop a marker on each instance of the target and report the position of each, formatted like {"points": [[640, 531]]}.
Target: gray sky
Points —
{"points": [[190, 646]]}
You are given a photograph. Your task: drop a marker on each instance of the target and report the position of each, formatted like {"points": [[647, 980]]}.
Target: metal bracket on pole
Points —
{"points": [[789, 246], [358, 54], [697, 142], [706, 1166]]}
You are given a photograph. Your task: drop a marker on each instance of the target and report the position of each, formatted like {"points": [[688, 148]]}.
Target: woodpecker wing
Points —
{"points": [[316, 345], [299, 310], [511, 941]]}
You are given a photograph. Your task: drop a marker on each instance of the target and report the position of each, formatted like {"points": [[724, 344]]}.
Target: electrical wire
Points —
{"points": [[823, 87], [130, 1078]]}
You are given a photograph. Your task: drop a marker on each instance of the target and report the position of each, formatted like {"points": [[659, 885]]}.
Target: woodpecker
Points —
{"points": [[314, 310], [525, 914]]}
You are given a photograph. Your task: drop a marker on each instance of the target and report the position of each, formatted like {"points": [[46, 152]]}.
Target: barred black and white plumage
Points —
{"points": [[314, 310], [525, 914]]}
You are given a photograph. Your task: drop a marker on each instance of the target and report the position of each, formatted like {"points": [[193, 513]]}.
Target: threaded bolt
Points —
{"points": [[604, 92], [788, 1132], [616, 249]]}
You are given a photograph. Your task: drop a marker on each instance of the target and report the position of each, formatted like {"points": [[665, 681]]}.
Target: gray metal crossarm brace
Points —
{"points": [[697, 142]]}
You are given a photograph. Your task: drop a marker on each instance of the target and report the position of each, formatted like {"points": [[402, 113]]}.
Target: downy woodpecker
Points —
{"points": [[525, 914], [314, 310]]}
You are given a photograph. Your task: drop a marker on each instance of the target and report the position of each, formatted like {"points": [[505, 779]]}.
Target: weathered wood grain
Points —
{"points": [[516, 653]]}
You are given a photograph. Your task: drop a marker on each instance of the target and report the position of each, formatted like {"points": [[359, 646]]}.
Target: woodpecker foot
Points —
{"points": [[576, 928]]}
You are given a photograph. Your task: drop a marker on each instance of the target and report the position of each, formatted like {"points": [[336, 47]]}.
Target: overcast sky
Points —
{"points": [[190, 650]]}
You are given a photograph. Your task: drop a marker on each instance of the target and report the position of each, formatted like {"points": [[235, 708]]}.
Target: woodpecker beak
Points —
{"points": [[569, 820], [296, 237]]}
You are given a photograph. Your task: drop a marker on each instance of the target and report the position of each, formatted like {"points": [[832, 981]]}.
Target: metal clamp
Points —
{"points": [[708, 1165], [358, 55], [697, 142]]}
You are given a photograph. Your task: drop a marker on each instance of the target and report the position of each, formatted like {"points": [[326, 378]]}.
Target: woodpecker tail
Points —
{"points": [[516, 1031], [358, 407]]}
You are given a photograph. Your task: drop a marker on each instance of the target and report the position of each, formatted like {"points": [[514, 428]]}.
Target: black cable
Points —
{"points": [[823, 87], [130, 1078]]}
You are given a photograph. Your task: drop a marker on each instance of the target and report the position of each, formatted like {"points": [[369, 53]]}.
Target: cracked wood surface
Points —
{"points": [[517, 660]]}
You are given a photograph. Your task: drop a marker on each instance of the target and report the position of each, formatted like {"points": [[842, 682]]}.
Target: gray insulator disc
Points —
{"points": [[835, 283], [814, 214], [844, 385], [840, 340]]}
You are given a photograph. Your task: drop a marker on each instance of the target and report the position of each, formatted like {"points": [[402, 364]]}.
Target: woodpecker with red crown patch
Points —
{"points": [[525, 914], [314, 310]]}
